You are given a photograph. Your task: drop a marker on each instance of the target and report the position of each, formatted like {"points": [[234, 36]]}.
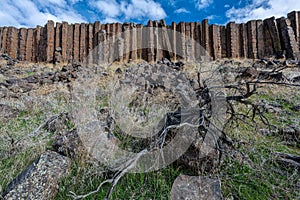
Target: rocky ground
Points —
{"points": [[45, 145]]}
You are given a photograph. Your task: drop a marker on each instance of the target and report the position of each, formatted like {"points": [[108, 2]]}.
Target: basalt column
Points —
{"points": [[22, 44], [119, 43], [216, 41], [232, 40], [157, 41], [173, 39], [49, 41], [205, 36], [12, 42], [223, 41], [260, 39], [150, 40], [96, 41], [294, 17], [243, 40], [32, 47], [64, 41], [58, 35], [287, 38], [139, 37], [76, 38], [271, 35], [189, 41], [103, 47], [4, 37], [58, 46], [181, 44], [197, 35], [82, 42], [133, 41], [90, 54], [252, 39], [1, 32], [166, 40], [126, 37], [110, 29], [70, 39]]}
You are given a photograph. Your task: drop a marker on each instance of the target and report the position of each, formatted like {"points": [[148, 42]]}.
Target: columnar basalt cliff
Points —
{"points": [[63, 42]]}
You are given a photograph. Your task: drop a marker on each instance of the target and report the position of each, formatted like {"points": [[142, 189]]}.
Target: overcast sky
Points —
{"points": [[29, 13]]}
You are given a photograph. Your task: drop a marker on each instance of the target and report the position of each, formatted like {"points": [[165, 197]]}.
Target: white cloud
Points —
{"points": [[29, 13], [211, 17], [110, 20], [181, 10], [74, 1], [226, 6], [113, 11], [108, 8], [261, 9], [138, 9], [49, 3], [201, 4]]}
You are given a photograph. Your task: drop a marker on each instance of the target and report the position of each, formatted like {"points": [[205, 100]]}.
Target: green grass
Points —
{"points": [[256, 176], [152, 185], [260, 176]]}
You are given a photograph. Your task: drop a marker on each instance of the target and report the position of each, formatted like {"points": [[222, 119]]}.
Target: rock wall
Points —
{"points": [[102, 43]]}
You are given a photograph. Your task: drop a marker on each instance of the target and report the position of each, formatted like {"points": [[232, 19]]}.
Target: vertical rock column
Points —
{"points": [[82, 42], [111, 44], [193, 43], [139, 38], [243, 40], [173, 39], [119, 43], [150, 40], [288, 40], [181, 44], [197, 40], [76, 42], [188, 43], [272, 39], [223, 41], [12, 42], [50, 41], [294, 17], [4, 37], [166, 40], [205, 37], [69, 56], [1, 32], [90, 49], [64, 41], [58, 42], [32, 44], [252, 39], [22, 44], [260, 39], [126, 37], [167, 37], [133, 41], [216, 42], [232, 40], [96, 41], [157, 41], [103, 49], [58, 35]]}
